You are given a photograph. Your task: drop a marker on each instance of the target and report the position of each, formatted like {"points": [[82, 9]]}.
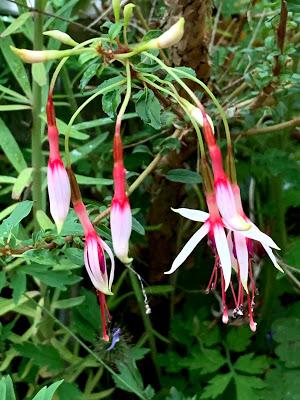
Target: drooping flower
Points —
{"points": [[214, 228], [95, 263], [58, 182], [120, 214]]}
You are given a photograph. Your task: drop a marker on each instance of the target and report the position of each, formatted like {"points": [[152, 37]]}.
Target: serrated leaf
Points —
{"points": [[246, 387], [238, 339], [216, 386], [88, 74], [16, 24], [11, 148], [22, 182], [207, 361], [252, 365], [183, 176], [111, 101], [41, 355], [148, 108], [20, 211]]}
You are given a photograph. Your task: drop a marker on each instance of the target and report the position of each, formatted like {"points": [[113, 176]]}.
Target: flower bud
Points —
{"points": [[36, 56], [62, 37], [197, 114], [172, 36]]}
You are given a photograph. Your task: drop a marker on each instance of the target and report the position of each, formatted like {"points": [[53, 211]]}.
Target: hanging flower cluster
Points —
{"points": [[230, 232]]}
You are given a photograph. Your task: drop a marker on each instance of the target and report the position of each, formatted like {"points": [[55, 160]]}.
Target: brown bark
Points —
{"points": [[192, 51]]}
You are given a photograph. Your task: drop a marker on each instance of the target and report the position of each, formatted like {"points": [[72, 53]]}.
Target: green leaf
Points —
{"points": [[46, 393], [16, 24], [12, 93], [18, 284], [88, 75], [14, 107], [183, 176], [238, 339], [2, 279], [111, 101], [131, 375], [68, 303], [86, 180], [14, 63], [6, 389], [41, 355], [11, 148], [7, 179], [82, 151], [137, 226], [22, 182], [252, 365], [39, 73], [159, 289], [286, 332], [20, 212], [44, 221], [207, 361], [216, 386], [246, 387], [114, 30], [148, 108], [70, 391]]}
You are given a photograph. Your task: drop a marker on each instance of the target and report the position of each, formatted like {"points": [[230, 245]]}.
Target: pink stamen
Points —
{"points": [[225, 310], [103, 308]]}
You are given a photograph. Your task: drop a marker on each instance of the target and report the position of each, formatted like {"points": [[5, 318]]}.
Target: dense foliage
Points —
{"points": [[50, 332]]}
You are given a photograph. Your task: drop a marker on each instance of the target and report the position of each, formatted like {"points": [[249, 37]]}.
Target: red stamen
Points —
{"points": [[214, 276], [233, 295], [225, 310], [103, 307], [251, 321]]}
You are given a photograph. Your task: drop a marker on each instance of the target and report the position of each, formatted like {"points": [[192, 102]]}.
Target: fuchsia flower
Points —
{"points": [[58, 182], [120, 214], [214, 228], [95, 263]]}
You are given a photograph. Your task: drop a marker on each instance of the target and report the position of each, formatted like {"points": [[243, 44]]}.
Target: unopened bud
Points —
{"points": [[62, 37], [36, 56], [172, 36], [196, 113]]}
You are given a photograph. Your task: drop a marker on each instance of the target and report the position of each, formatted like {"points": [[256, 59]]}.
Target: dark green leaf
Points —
{"points": [[252, 365], [148, 108], [41, 355], [111, 101], [216, 386], [183, 176]]}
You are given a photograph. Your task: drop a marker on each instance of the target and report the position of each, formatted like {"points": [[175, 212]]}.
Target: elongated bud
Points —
{"points": [[62, 37], [36, 56], [120, 214], [58, 182], [172, 36], [116, 4], [128, 10], [197, 114]]}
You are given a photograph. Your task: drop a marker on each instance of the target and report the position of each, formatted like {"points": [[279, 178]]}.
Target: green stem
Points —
{"points": [[74, 116], [146, 320], [127, 95], [36, 141]]}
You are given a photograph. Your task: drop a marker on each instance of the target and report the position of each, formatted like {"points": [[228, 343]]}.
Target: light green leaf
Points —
{"points": [[39, 73], [12, 93], [16, 24], [86, 180], [14, 63], [14, 107], [11, 148], [82, 151], [183, 176], [216, 386], [23, 181], [46, 393], [137, 226], [68, 303], [7, 211], [20, 212], [44, 221], [101, 122], [6, 389]]}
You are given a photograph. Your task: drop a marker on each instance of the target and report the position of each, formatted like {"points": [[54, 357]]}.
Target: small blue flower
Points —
{"points": [[115, 338]]}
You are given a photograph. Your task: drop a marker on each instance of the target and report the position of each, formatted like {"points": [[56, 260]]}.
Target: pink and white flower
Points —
{"points": [[214, 228], [95, 263], [120, 214], [58, 182]]}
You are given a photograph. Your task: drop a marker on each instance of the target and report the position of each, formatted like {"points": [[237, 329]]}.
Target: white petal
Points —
{"points": [[121, 225], [256, 234], [112, 265], [272, 257], [223, 252], [242, 257], [189, 247], [194, 215], [234, 263]]}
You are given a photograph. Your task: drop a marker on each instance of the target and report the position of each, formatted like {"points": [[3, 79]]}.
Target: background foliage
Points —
{"points": [[50, 342]]}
